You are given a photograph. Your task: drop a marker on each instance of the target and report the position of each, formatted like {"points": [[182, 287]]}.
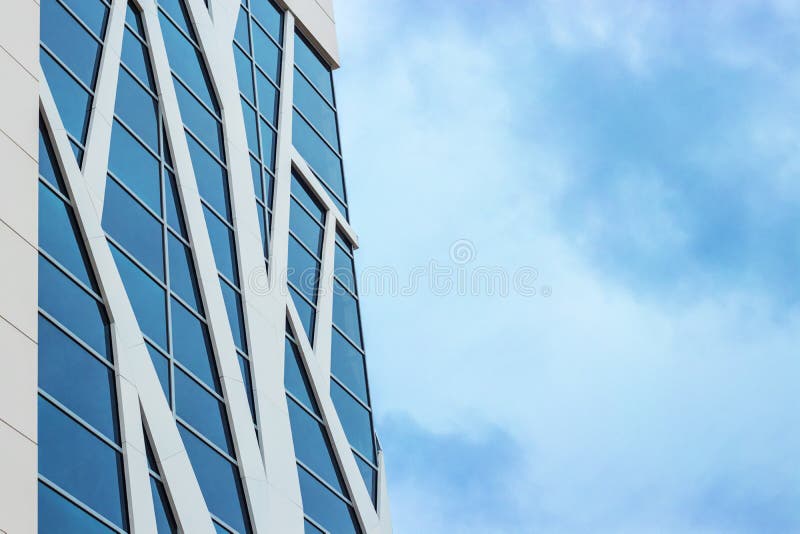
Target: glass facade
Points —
{"points": [[153, 227]]}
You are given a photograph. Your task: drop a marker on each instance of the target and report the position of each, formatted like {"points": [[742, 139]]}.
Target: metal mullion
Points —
{"points": [[188, 307], [324, 98], [339, 330], [271, 38], [291, 285], [75, 338], [80, 420], [229, 282], [267, 76], [177, 236], [344, 286], [333, 490], [334, 196], [316, 131], [205, 440], [350, 392], [72, 277], [269, 123], [139, 37], [136, 262], [222, 523], [68, 70], [80, 504]]}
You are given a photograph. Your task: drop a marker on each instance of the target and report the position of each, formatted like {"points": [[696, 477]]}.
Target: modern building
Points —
{"points": [[180, 335]]}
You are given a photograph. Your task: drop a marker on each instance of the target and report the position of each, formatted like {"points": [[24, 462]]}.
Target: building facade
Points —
{"points": [[180, 329]]}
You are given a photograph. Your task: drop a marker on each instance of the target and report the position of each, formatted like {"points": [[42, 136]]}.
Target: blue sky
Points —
{"points": [[644, 157]]}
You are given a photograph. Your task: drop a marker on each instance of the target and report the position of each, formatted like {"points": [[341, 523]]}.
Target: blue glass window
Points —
{"points": [[244, 367], [315, 109], [68, 453], [57, 514], [135, 167], [199, 120], [161, 363], [322, 159], [212, 180], [305, 228], [181, 274], [65, 37], [48, 164], [306, 312], [244, 71], [308, 528], [165, 522], [191, 345], [174, 211], [73, 307], [313, 67], [295, 379], [93, 13], [345, 313], [219, 482], [242, 33], [267, 144], [134, 20], [302, 194], [325, 507], [71, 99], [202, 411], [311, 445], [137, 108], [269, 16], [369, 475], [223, 246], [136, 57], [266, 53], [267, 97], [344, 269], [347, 364], [77, 379], [144, 239], [250, 126], [303, 271], [355, 420], [233, 305], [148, 299]]}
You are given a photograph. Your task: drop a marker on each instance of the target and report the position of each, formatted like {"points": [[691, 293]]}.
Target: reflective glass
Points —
{"points": [[177, 11], [73, 307], [262, 226], [219, 482], [266, 53], [174, 211], [212, 180], [242, 33], [305, 228], [345, 313], [59, 236], [344, 269], [369, 475], [315, 109], [135, 56], [199, 120], [202, 411], [306, 312], [355, 420], [233, 305], [269, 16], [267, 144], [308, 528], [165, 522], [72, 100], [347, 364], [325, 507], [222, 245], [311, 445], [148, 299], [134, 20], [313, 67], [161, 363], [295, 379], [244, 72], [137, 109], [134, 228], [244, 367], [48, 164], [317, 154], [191, 345], [267, 97], [182, 278], [251, 129], [303, 270], [57, 514], [69, 454], [77, 379], [301, 193], [255, 170], [135, 167], [65, 37], [93, 13]]}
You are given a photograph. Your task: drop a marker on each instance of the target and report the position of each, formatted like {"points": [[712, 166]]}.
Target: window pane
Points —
{"points": [[211, 178], [72, 100], [311, 445], [266, 53], [181, 274], [305, 228], [48, 164], [79, 462], [255, 170], [302, 194], [313, 67], [242, 34], [148, 299], [59, 235], [303, 270], [318, 155], [324, 507], [134, 20], [73, 307], [250, 127], [199, 120], [347, 364], [344, 269], [135, 56], [233, 305], [165, 522], [219, 482], [69, 41], [174, 211], [295, 379], [308, 528], [137, 109], [267, 144], [267, 97], [306, 312], [355, 420], [77, 379], [369, 475], [345, 313], [191, 345], [244, 72], [244, 367], [315, 109], [135, 166], [202, 411], [92, 12], [222, 245], [161, 363], [57, 514], [269, 16], [136, 230]]}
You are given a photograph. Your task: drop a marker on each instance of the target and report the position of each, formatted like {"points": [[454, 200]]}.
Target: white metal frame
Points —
{"points": [[268, 473]]}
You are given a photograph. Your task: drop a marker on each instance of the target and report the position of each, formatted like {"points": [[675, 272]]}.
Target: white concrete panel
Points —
{"points": [[18, 381], [18, 285], [19, 190], [19, 33], [18, 483], [18, 107]]}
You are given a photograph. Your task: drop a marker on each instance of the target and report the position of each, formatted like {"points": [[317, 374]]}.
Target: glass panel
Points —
{"points": [[174, 211], [59, 236], [313, 67], [304, 196], [233, 305], [267, 144], [318, 155], [149, 300], [211, 178], [324, 507], [295, 379], [244, 367], [71, 99], [311, 445], [130, 225], [92, 12], [219, 482], [68, 454], [202, 411], [267, 97], [262, 226], [48, 164], [77, 379], [269, 16], [355, 420], [242, 34], [244, 71], [303, 270], [57, 514], [308, 528], [347, 364], [266, 53], [135, 56], [182, 278], [315, 109], [191, 345], [134, 20], [137, 109], [251, 129], [308, 231], [64, 36], [165, 522], [161, 363], [135, 167], [199, 121], [344, 269], [255, 170], [306, 312], [177, 11], [222, 245], [345, 313], [369, 475], [73, 307]]}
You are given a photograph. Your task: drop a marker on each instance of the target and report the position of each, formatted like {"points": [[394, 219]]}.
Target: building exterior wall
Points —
{"points": [[121, 95]]}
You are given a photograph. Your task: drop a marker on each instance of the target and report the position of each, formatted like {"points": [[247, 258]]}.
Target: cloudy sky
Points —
{"points": [[644, 158]]}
